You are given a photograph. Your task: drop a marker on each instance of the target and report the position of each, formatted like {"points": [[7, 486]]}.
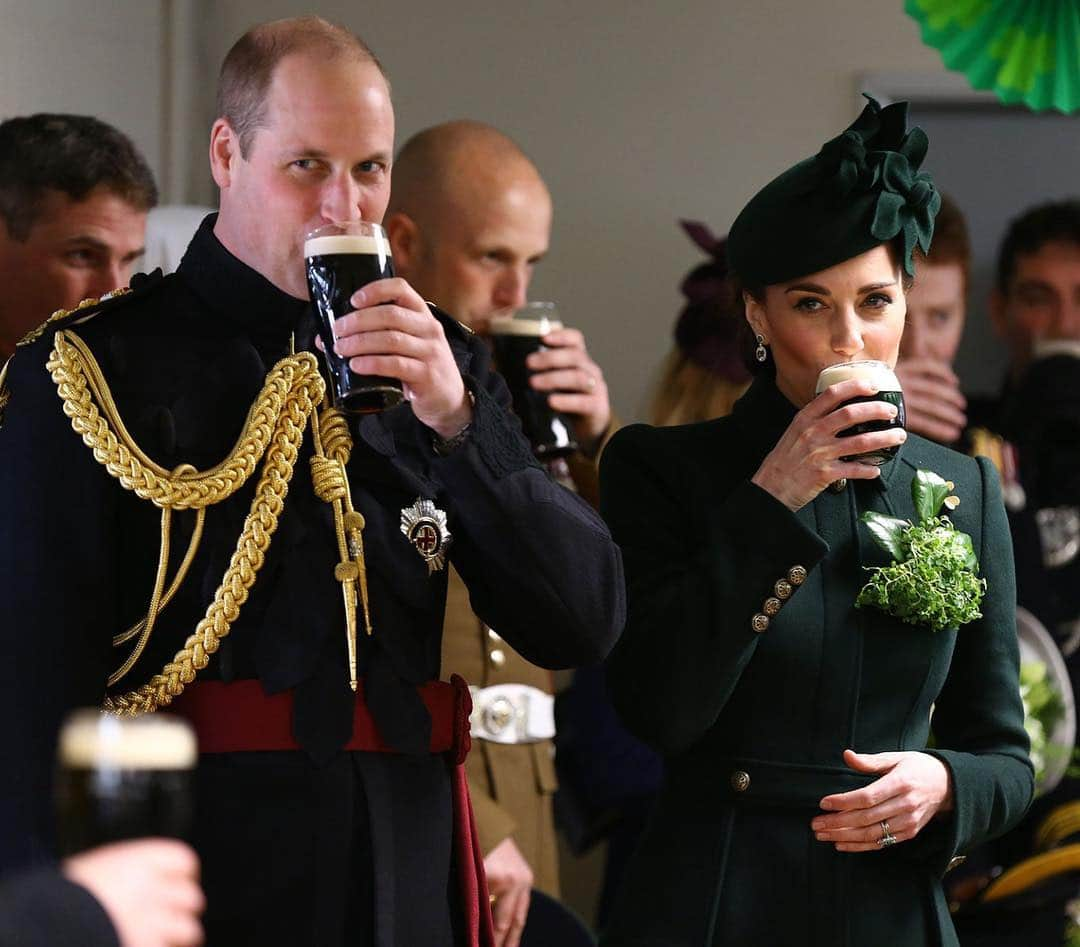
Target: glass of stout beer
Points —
{"points": [[122, 778], [888, 386], [340, 259], [514, 339]]}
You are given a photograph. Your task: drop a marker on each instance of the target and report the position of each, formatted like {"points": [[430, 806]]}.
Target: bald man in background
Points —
{"points": [[469, 219]]}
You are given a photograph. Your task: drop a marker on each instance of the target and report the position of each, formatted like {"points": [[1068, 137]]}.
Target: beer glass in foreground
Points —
{"points": [[514, 339], [122, 778], [888, 385], [340, 259]]}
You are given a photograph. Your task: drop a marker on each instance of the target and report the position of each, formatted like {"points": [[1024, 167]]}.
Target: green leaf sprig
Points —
{"points": [[933, 579]]}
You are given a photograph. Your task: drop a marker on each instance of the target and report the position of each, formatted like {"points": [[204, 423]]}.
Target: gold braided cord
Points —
{"points": [[275, 427], [181, 574], [155, 601], [82, 388], [333, 446], [305, 389]]}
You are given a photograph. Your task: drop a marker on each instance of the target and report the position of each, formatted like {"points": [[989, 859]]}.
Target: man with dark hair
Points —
{"points": [[74, 195], [1036, 297], [151, 569], [1035, 308]]}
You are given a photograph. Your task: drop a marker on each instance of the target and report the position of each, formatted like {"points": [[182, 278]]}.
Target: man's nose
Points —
{"points": [[512, 289], [112, 275], [1066, 324], [341, 199]]}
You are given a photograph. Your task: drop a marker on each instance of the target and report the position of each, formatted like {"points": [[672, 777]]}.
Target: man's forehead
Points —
{"points": [[1053, 261], [102, 215]]}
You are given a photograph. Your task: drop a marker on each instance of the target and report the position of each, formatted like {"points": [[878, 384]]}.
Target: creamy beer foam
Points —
{"points": [[878, 373], [508, 325], [346, 243], [92, 740]]}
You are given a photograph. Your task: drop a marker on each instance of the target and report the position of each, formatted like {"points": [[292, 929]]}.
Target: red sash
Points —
{"points": [[239, 717]]}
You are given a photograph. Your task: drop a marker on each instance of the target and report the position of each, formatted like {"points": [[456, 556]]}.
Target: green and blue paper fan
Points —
{"points": [[1025, 51]]}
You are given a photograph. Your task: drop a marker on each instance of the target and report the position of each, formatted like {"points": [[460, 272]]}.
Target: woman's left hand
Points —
{"points": [[913, 788]]}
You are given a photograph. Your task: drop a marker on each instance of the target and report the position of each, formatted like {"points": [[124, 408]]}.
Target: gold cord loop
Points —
{"points": [[274, 427], [333, 446]]}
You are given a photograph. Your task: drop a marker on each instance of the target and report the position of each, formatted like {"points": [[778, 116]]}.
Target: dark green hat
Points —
{"points": [[862, 189]]}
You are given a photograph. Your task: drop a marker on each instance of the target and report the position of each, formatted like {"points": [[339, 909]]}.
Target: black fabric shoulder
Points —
{"points": [[142, 286]]}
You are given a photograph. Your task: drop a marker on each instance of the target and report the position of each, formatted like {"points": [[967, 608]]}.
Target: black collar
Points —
{"points": [[235, 292]]}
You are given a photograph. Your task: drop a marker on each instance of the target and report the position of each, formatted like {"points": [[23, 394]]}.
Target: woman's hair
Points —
{"points": [[687, 392], [703, 375], [951, 241]]}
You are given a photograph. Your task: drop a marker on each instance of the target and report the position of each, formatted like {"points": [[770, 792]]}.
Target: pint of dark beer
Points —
{"points": [[889, 391], [122, 778], [340, 259], [514, 339]]}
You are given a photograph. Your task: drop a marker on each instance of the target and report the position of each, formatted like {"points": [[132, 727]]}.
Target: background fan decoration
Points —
{"points": [[1025, 51]]}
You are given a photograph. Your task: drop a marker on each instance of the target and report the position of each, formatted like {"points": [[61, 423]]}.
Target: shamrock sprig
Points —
{"points": [[933, 579]]}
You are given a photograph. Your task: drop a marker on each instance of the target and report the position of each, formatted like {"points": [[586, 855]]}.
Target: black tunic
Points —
{"points": [[304, 847]]}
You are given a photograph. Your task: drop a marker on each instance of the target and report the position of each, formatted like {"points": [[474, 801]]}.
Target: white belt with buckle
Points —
{"points": [[512, 713]]}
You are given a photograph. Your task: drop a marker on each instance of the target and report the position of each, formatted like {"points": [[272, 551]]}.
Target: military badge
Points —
{"points": [[424, 525]]}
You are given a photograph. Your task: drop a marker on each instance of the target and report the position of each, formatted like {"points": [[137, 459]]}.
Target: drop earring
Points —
{"points": [[760, 353]]}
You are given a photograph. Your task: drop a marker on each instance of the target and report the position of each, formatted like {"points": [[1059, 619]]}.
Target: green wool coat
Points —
{"points": [[753, 725]]}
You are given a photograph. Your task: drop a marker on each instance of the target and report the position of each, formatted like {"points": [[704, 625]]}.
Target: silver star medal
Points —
{"points": [[424, 525]]}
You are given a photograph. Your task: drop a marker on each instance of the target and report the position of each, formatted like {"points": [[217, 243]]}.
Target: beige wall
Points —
{"points": [[57, 57], [637, 113]]}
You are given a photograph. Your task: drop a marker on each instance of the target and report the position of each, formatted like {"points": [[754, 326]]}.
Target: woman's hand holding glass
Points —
{"points": [[913, 788], [809, 455]]}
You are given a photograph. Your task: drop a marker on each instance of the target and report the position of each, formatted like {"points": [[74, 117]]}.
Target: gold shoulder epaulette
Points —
{"points": [[5, 396], [62, 314], [84, 310]]}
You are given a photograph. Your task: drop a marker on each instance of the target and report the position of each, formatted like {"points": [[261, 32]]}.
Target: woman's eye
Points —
{"points": [[878, 300], [305, 164], [809, 304]]}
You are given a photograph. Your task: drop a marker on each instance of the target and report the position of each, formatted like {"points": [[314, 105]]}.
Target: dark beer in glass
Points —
{"points": [[122, 778], [514, 339], [889, 391], [340, 259]]}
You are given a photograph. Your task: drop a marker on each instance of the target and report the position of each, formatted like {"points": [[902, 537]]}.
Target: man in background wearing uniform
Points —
{"points": [[469, 219], [74, 195], [292, 538]]}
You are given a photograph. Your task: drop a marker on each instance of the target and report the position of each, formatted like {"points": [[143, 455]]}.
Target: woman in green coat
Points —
{"points": [[803, 805]]}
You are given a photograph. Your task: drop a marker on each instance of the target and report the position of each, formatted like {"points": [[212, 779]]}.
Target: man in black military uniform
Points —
{"points": [[324, 816]]}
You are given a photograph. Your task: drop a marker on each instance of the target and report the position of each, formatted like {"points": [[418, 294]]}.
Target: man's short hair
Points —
{"points": [[1055, 222], [249, 66], [951, 243], [72, 154]]}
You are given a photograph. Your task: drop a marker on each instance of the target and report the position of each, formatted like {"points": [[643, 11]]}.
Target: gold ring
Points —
{"points": [[492, 898]]}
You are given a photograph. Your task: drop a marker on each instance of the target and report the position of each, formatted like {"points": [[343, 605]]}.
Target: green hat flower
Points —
{"points": [[863, 188], [908, 201]]}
